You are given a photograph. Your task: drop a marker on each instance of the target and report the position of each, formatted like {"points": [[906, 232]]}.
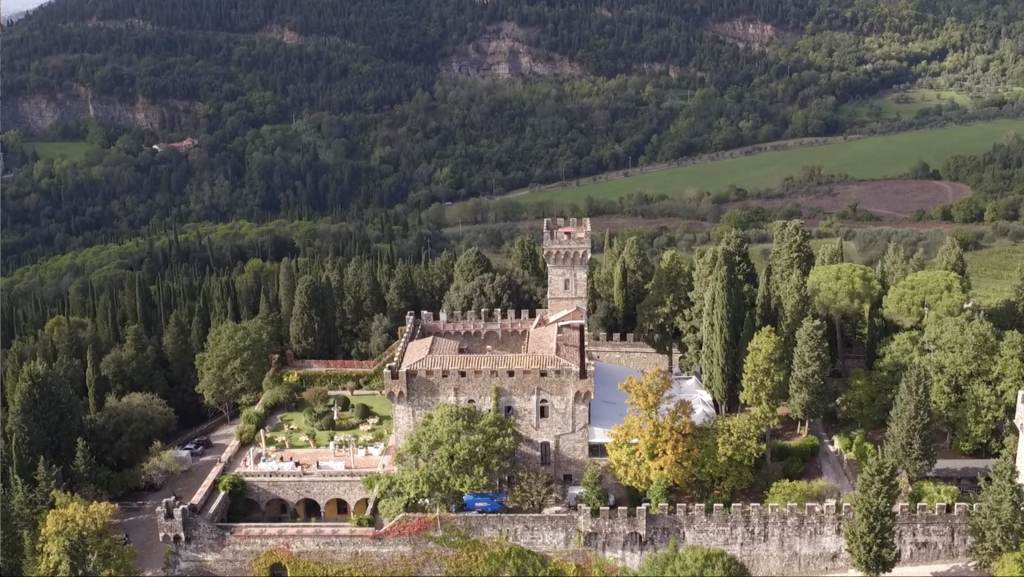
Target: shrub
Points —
{"points": [[245, 433], [317, 396], [932, 493], [311, 417], [374, 384], [327, 423], [342, 402], [692, 560], [360, 411], [785, 492], [253, 416], [795, 455], [233, 484], [361, 520]]}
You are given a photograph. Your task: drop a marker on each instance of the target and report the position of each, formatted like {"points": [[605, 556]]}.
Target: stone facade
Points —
{"points": [[769, 540], [280, 496], [624, 350]]}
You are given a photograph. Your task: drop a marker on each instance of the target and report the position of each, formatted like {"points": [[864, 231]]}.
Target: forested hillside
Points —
{"points": [[314, 107]]}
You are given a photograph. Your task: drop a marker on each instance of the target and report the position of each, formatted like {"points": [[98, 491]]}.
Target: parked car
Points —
{"points": [[482, 503], [194, 449], [204, 442]]}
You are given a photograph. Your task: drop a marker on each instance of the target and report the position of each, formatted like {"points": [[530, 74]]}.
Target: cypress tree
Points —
{"points": [[716, 360], [286, 284], [93, 380], [791, 259], [909, 438], [998, 525], [808, 383], [308, 331], [871, 536], [951, 258], [893, 266], [764, 314], [830, 253]]}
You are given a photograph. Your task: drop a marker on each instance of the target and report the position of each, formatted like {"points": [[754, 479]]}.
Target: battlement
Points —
{"points": [[560, 233], [758, 509], [486, 316], [615, 338]]}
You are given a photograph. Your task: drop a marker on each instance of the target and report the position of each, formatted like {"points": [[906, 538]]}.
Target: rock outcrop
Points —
{"points": [[746, 33], [34, 114], [503, 52]]}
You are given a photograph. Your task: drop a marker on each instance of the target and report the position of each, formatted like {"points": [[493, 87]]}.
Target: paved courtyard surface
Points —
{"points": [[138, 511]]}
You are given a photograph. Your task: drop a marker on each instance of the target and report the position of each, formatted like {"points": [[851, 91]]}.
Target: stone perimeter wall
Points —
{"points": [[769, 540]]}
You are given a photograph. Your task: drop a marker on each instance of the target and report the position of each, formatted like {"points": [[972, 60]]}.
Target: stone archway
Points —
{"points": [[308, 509], [278, 570], [278, 511], [632, 541], [592, 540], [253, 512], [337, 510], [361, 507]]}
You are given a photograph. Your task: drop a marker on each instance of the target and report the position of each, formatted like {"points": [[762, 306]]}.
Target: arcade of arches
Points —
{"points": [[278, 510]]}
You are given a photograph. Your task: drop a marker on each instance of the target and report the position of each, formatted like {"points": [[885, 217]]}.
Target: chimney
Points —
{"points": [[583, 352]]}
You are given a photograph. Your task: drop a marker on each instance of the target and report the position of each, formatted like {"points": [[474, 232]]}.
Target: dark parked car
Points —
{"points": [[204, 442], [194, 449]]}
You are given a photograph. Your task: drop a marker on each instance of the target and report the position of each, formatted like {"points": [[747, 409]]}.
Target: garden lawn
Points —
{"points": [[992, 270], [55, 150], [868, 158], [379, 406]]}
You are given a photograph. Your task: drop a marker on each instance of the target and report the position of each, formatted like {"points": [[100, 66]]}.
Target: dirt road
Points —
{"points": [[828, 460], [138, 511]]}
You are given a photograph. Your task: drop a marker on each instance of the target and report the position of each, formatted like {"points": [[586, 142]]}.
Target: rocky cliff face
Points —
{"points": [[502, 52], [747, 33], [34, 114]]}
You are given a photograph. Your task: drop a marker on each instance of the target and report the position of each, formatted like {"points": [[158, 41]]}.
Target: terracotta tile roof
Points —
{"points": [[421, 348], [542, 340], [488, 362]]}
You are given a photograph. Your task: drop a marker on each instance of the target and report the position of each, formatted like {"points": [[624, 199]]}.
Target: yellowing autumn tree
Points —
{"points": [[78, 538], [656, 440]]}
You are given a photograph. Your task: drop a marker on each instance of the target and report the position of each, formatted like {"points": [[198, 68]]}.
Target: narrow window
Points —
{"points": [[444, 374], [509, 411], [543, 373], [545, 409], [472, 402], [567, 478], [545, 453], [566, 284], [462, 374], [511, 373]]}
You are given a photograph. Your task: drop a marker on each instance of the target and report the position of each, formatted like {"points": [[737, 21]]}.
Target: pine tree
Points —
{"points": [[917, 261], [85, 472], [950, 257], [998, 525], [909, 439], [808, 383], [830, 253], [893, 266], [871, 536]]}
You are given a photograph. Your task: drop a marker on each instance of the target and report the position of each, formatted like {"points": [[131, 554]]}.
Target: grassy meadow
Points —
{"points": [[905, 104], [992, 270], [868, 158], [55, 150]]}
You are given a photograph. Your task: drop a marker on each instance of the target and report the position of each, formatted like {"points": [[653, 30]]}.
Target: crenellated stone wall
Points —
{"points": [[769, 540]]}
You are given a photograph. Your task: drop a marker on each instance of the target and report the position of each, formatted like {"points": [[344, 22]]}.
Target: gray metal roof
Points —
{"points": [[962, 467]]}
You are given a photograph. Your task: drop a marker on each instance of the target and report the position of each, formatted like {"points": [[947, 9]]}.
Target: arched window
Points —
{"points": [[472, 402], [544, 409], [545, 453]]}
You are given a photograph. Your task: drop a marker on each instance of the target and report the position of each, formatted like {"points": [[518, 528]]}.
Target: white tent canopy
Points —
{"points": [[184, 458], [609, 405]]}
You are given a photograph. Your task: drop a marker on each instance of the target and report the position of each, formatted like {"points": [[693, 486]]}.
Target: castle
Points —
{"points": [[563, 397], [560, 385]]}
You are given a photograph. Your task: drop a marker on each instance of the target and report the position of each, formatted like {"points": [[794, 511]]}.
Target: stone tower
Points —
{"points": [[567, 253]]}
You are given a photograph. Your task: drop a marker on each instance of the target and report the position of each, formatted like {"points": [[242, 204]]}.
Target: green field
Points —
{"points": [[992, 270], [869, 158], [906, 103], [55, 150]]}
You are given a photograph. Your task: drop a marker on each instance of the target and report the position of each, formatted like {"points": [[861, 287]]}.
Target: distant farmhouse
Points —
{"points": [[182, 146]]}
